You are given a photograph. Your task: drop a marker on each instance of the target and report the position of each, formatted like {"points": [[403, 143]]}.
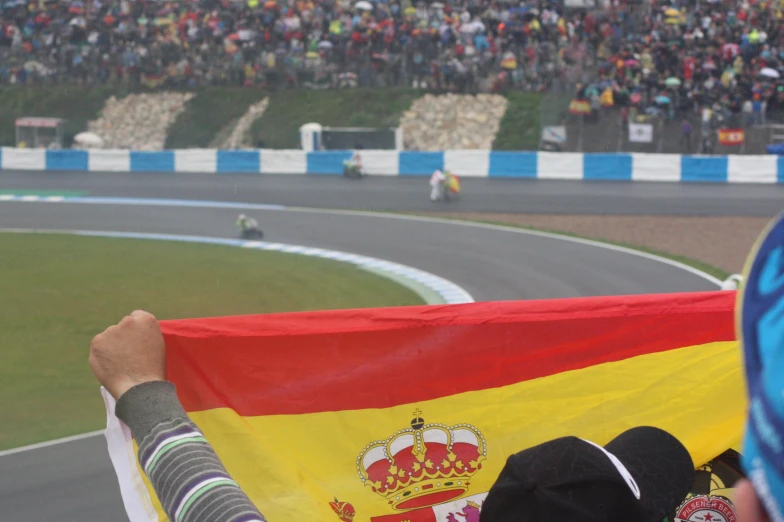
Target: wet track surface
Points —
{"points": [[410, 193]]}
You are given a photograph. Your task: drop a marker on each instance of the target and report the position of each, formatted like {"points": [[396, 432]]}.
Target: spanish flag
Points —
{"points": [[580, 107], [453, 184], [409, 414]]}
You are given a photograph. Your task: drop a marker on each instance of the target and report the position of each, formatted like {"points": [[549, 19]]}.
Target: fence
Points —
{"points": [[474, 163], [604, 131]]}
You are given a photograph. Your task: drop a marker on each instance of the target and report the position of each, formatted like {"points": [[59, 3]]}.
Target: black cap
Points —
{"points": [[640, 476]]}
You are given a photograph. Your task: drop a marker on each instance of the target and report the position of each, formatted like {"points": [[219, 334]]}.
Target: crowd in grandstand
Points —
{"points": [[720, 56], [718, 63], [291, 42]]}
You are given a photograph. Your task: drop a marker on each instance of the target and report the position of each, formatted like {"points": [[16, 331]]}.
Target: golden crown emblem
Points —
{"points": [[424, 465]]}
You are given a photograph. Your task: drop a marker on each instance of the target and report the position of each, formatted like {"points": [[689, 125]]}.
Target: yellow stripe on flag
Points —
{"points": [[292, 466]]}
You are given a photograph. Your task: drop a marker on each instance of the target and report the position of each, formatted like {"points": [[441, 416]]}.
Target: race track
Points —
{"points": [[410, 193], [74, 481], [490, 264]]}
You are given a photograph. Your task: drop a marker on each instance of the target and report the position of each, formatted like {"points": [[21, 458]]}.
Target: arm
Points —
{"points": [[187, 475]]}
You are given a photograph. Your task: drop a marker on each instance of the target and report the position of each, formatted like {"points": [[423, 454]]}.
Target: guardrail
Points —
{"points": [[473, 163]]}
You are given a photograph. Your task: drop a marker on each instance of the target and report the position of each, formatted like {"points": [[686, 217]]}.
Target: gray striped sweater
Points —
{"points": [[188, 477]]}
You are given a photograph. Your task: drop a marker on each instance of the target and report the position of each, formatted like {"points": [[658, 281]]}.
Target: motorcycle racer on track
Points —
{"points": [[443, 185], [245, 223], [249, 228]]}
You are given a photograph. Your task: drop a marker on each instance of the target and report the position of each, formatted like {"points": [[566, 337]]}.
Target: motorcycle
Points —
{"points": [[447, 194], [252, 233], [352, 170], [448, 190]]}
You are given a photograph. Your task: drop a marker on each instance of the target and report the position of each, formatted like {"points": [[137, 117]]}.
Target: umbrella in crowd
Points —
{"points": [[33, 66], [663, 100], [364, 5], [769, 73], [472, 27], [88, 139], [672, 82]]}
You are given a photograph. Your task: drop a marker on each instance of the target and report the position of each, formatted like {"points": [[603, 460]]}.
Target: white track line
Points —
{"points": [[48, 443]]}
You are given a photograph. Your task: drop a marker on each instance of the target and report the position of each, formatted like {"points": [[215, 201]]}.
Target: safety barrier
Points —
{"points": [[473, 163]]}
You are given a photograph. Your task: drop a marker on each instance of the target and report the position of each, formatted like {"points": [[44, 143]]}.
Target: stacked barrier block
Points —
{"points": [[470, 163]]}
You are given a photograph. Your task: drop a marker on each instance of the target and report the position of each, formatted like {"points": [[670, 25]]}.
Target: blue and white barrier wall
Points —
{"points": [[474, 163]]}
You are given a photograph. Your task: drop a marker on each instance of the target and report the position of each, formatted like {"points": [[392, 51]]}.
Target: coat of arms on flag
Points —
{"points": [[409, 414], [424, 465]]}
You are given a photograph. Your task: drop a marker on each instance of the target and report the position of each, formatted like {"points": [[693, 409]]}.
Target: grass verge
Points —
{"points": [[520, 126], [289, 110], [60, 290], [207, 113]]}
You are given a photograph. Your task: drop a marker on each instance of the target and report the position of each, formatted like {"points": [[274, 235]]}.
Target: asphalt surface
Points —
{"points": [[67, 482], [410, 193], [75, 481]]}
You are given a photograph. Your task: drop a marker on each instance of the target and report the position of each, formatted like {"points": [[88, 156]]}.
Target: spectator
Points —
{"points": [[707, 119], [641, 475], [686, 130], [707, 144], [129, 361], [761, 498], [748, 109]]}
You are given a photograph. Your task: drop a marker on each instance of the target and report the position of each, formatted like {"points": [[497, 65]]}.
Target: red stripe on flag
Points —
{"points": [[377, 358]]}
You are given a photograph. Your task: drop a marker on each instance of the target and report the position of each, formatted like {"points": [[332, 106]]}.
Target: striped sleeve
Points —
{"points": [[187, 475]]}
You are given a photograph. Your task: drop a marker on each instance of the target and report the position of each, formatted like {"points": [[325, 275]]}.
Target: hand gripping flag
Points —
{"points": [[409, 414]]}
